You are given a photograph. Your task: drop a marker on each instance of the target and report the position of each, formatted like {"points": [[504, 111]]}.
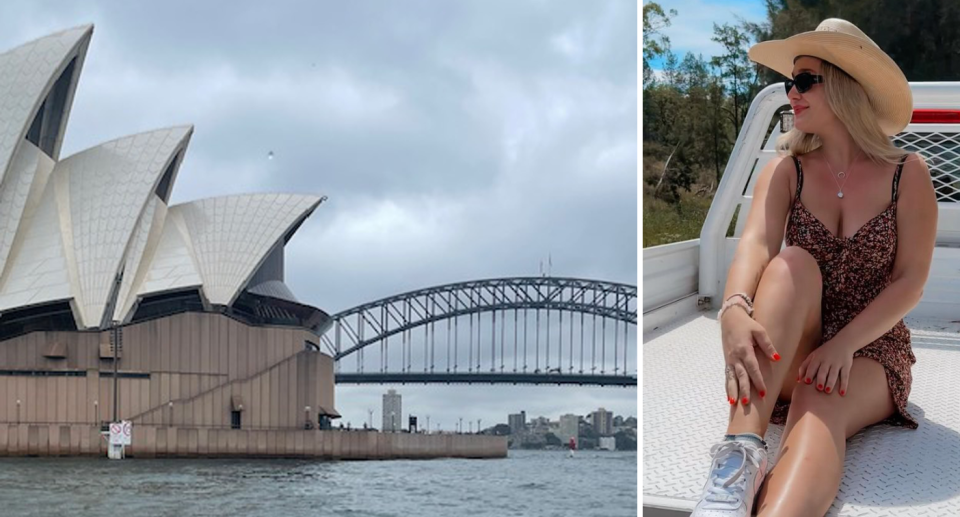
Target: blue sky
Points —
{"points": [[692, 27]]}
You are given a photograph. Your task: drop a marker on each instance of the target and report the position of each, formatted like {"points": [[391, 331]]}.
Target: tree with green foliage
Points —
{"points": [[655, 43], [738, 72], [625, 442]]}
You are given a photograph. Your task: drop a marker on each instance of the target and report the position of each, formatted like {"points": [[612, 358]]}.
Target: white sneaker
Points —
{"points": [[736, 473]]}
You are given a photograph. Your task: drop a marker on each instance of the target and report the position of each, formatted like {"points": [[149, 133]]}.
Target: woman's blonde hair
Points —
{"points": [[849, 102]]}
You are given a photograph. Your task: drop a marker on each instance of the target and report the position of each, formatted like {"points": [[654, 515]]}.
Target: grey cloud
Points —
{"points": [[455, 140]]}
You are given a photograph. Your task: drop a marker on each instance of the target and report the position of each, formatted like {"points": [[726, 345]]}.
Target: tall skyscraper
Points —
{"points": [[569, 428], [392, 412], [603, 422], [517, 422]]}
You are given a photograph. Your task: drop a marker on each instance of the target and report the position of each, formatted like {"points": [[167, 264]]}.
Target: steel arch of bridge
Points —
{"points": [[354, 331]]}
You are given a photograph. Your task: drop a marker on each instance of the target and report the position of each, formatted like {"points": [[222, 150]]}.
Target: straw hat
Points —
{"points": [[844, 45]]}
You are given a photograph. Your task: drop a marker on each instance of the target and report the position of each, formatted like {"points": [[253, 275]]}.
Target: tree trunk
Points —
{"points": [[665, 166]]}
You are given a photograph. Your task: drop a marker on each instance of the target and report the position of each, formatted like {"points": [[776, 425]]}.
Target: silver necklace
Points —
{"points": [[841, 174]]}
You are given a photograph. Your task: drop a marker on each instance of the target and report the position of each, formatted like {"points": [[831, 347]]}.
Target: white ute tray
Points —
{"points": [[889, 471]]}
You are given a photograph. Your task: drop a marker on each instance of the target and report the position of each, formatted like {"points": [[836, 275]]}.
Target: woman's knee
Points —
{"points": [[797, 263], [796, 273], [806, 398]]}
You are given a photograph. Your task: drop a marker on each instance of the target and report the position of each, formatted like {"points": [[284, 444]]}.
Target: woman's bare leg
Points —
{"points": [[787, 304], [805, 480]]}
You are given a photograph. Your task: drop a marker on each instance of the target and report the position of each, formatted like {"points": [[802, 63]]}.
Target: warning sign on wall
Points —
{"points": [[121, 433]]}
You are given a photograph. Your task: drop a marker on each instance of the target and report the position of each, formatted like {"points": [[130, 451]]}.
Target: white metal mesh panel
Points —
{"points": [[942, 151]]}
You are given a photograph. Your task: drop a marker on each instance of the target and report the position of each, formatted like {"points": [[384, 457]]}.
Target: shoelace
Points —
{"points": [[721, 492]]}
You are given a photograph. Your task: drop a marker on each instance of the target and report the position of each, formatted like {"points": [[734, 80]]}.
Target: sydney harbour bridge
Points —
{"points": [[522, 330]]}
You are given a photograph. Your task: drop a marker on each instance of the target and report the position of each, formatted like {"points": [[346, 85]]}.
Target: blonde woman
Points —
{"points": [[813, 335]]}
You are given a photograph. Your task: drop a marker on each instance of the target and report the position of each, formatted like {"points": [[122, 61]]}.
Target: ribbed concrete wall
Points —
{"points": [[153, 441], [197, 361]]}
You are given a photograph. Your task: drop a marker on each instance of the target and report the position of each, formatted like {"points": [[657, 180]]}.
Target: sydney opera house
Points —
{"points": [[209, 337]]}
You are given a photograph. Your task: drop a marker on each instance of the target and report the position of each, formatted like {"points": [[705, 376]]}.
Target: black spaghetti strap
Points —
{"points": [[895, 194], [796, 162]]}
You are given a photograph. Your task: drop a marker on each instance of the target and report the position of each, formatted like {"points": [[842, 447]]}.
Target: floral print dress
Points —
{"points": [[855, 270]]}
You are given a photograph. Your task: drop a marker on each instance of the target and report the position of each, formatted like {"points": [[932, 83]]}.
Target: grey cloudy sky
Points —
{"points": [[456, 140]]}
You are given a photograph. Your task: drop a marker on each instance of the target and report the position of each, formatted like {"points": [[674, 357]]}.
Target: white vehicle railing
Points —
{"points": [[938, 142], [730, 191], [669, 276]]}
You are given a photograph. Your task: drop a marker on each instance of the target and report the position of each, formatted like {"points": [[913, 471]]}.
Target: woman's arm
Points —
{"points": [[916, 238], [763, 232], [761, 241]]}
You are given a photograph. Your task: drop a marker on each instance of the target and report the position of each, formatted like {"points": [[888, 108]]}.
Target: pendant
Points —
{"points": [[841, 174], [840, 195]]}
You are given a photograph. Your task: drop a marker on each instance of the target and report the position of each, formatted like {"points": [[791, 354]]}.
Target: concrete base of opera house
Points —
{"points": [[191, 442]]}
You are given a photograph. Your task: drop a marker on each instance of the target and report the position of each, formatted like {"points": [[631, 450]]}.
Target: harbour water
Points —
{"points": [[526, 483]]}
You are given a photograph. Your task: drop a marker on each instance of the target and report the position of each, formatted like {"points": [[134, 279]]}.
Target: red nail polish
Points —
{"points": [[828, 389], [819, 386], [841, 393], [808, 380], [745, 401], [798, 378], [762, 393], [731, 401], [776, 357]]}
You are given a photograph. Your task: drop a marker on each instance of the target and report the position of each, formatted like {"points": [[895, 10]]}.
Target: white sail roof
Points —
{"points": [[172, 266], [27, 74], [94, 229], [19, 194], [38, 271], [109, 186], [232, 235], [142, 246]]}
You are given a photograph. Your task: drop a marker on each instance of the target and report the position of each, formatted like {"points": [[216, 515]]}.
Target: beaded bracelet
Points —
{"points": [[746, 298], [734, 303], [739, 300]]}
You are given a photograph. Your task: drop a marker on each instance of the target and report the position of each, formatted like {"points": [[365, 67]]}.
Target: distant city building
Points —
{"points": [[540, 422], [517, 422], [602, 421], [553, 426], [569, 428], [607, 443], [392, 412]]}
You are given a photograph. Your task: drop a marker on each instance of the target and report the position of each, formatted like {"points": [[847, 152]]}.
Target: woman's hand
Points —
{"points": [[824, 365], [740, 334]]}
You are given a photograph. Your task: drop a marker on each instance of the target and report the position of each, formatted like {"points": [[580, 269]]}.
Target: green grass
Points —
{"points": [[664, 223]]}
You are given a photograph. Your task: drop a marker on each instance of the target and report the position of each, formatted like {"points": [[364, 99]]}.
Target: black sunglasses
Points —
{"points": [[803, 82]]}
